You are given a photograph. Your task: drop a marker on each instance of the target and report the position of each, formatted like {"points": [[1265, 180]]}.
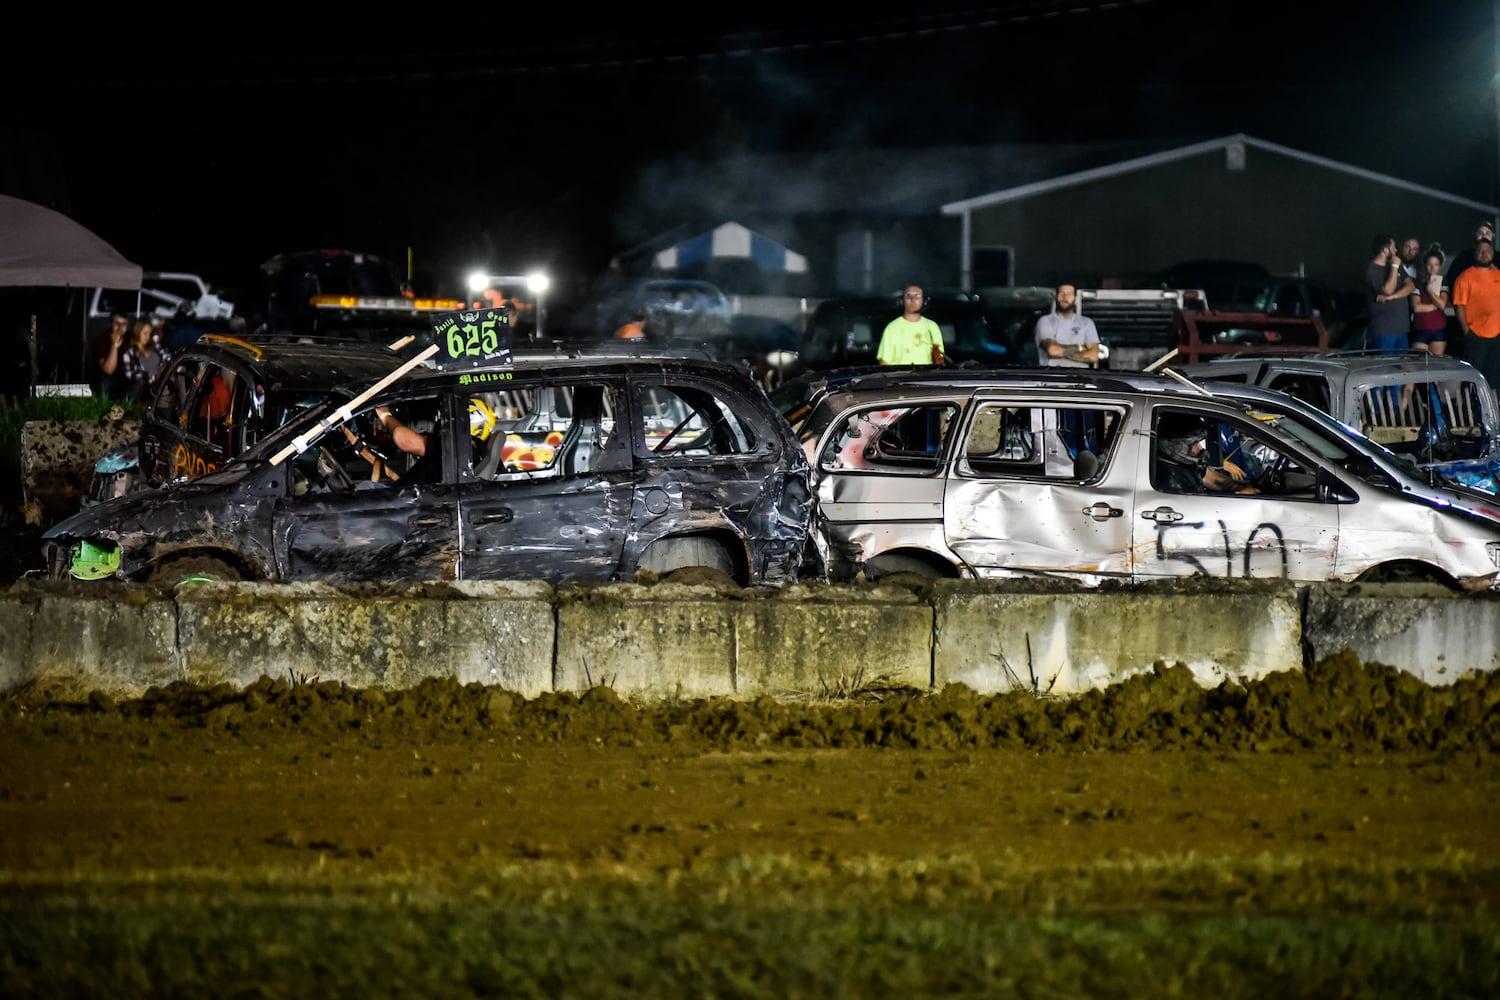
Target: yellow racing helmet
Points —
{"points": [[481, 419]]}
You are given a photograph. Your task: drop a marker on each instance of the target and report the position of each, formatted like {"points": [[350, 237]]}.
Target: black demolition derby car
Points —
{"points": [[221, 395], [553, 468]]}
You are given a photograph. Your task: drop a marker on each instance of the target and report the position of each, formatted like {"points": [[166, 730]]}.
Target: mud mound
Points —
{"points": [[1339, 703]]}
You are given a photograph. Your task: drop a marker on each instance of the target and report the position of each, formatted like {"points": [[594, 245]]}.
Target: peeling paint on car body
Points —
{"points": [[571, 471], [1004, 473]]}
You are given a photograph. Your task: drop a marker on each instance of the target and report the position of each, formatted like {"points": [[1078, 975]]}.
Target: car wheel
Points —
{"points": [[195, 569], [672, 557]]}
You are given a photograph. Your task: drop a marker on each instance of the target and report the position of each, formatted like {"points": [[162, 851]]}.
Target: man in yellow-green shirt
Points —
{"points": [[911, 338]]}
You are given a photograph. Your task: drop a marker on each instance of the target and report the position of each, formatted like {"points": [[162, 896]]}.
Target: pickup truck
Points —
{"points": [[162, 293]]}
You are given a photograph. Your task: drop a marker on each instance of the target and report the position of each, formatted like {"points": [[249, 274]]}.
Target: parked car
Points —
{"points": [[550, 468], [1068, 473], [1436, 411], [674, 308], [221, 395]]}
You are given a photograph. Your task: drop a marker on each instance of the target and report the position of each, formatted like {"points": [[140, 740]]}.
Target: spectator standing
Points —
{"points": [[107, 348], [142, 361], [1065, 338], [1387, 289], [1411, 253], [1460, 263], [1429, 305], [1476, 304], [911, 338], [1465, 257]]}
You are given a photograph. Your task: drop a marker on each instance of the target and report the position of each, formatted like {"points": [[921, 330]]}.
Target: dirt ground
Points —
{"points": [[1347, 761], [1320, 833]]}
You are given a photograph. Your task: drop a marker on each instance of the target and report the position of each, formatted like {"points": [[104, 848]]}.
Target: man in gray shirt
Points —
{"points": [[1064, 337], [1387, 289]]}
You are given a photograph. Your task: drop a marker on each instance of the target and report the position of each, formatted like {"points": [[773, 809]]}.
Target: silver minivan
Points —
{"points": [[1103, 476], [1436, 411]]}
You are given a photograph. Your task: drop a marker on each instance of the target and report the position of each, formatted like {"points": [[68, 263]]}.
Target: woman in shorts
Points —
{"points": [[1429, 304]]}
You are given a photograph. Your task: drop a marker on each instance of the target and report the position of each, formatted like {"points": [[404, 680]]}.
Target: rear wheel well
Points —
{"points": [[215, 564], [714, 551], [917, 562], [1407, 571]]}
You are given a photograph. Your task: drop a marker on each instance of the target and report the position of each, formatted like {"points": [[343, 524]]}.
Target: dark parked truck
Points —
{"points": [[545, 468]]}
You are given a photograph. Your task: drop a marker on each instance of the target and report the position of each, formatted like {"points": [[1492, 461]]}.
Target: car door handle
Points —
{"points": [[495, 517], [429, 522], [1101, 511], [1161, 515]]}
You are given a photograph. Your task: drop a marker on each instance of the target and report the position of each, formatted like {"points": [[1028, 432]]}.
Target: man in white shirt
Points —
{"points": [[1064, 337]]}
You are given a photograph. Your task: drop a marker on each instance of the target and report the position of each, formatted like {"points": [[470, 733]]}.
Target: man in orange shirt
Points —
{"points": [[1476, 305]]}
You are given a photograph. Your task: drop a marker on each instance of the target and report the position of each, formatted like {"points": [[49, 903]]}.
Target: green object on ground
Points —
{"points": [[94, 562]]}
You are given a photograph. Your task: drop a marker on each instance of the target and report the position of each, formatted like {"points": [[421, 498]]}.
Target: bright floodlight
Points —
{"points": [[537, 282], [478, 281]]}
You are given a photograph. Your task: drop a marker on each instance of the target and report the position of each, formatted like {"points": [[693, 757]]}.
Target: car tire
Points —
{"points": [[195, 569], [671, 556]]}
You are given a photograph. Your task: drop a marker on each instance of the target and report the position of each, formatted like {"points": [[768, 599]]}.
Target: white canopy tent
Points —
{"points": [[42, 248]]}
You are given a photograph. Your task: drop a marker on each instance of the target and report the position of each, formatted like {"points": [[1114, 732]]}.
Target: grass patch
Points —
{"points": [[770, 927]]}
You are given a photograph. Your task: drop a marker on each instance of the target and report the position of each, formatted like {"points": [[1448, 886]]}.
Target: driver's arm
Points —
{"points": [[408, 440]]}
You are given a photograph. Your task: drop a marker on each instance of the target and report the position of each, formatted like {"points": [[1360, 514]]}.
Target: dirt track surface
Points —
{"points": [[1345, 760]]}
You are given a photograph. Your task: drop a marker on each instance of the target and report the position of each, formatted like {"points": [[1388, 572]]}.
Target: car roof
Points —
{"points": [[291, 364], [931, 380], [1342, 361], [533, 363]]}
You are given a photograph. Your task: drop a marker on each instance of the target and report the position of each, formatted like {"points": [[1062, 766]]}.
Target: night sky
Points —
{"points": [[517, 138]]}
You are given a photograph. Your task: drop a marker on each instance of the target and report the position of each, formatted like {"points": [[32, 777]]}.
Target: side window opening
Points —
{"points": [[176, 393], [1055, 442], [1191, 454], [214, 407], [1436, 421], [687, 420], [907, 439], [1311, 389], [363, 454], [552, 431]]}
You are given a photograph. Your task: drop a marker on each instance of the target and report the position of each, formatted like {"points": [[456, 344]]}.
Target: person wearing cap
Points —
{"points": [[1476, 306]]}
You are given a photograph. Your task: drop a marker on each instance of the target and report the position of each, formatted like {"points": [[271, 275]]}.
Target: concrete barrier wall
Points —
{"points": [[993, 638], [57, 461], [671, 641]]}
